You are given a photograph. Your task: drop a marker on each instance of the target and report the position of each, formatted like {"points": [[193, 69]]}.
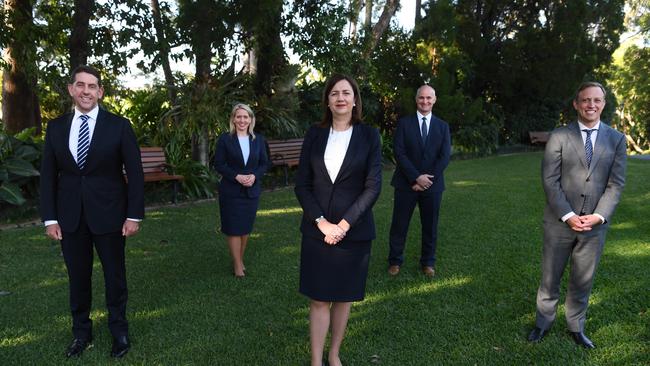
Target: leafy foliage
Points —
{"points": [[19, 155]]}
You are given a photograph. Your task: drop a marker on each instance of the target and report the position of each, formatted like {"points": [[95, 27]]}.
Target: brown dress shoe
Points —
{"points": [[428, 271], [393, 270]]}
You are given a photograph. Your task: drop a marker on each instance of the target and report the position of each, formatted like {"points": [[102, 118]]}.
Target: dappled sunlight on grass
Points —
{"points": [[289, 249], [50, 282], [420, 289], [18, 340], [623, 225], [467, 183], [151, 314], [629, 250], [279, 211]]}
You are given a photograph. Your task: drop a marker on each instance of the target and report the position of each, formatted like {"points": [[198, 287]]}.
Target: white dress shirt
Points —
{"points": [[427, 121], [337, 146]]}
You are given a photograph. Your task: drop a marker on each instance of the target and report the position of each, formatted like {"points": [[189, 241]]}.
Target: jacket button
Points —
{"points": [[587, 179], [582, 195]]}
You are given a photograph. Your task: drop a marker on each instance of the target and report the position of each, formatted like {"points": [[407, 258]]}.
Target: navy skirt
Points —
{"points": [[334, 273], [237, 214]]}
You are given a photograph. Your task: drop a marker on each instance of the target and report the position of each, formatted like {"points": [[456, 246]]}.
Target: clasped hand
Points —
{"points": [[422, 183], [245, 180], [333, 233], [583, 223]]}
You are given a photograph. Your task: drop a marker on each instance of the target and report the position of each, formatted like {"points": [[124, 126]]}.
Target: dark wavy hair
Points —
{"points": [[356, 110], [88, 70]]}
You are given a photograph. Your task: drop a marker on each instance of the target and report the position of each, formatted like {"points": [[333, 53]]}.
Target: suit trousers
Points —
{"points": [[77, 250], [404, 204], [583, 250]]}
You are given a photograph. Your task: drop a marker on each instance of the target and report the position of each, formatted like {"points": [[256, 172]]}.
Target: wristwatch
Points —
{"points": [[319, 219]]}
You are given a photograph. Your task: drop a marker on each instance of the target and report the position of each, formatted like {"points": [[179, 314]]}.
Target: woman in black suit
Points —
{"points": [[241, 159], [338, 182]]}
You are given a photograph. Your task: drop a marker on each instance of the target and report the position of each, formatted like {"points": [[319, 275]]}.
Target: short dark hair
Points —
{"points": [[88, 70], [589, 84], [357, 109]]}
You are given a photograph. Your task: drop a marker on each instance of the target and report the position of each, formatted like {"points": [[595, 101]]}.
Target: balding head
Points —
{"points": [[425, 99]]}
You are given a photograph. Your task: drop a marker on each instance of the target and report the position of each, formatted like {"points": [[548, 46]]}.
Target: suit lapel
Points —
{"points": [[351, 152], [101, 129], [68, 127], [600, 146], [578, 145], [234, 144], [321, 144]]}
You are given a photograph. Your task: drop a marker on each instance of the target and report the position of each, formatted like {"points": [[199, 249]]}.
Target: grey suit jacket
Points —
{"points": [[568, 183]]}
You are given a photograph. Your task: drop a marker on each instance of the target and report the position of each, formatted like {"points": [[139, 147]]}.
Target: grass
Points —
{"points": [[185, 307]]}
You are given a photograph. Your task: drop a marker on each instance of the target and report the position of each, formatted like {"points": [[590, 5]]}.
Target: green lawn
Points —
{"points": [[185, 307]]}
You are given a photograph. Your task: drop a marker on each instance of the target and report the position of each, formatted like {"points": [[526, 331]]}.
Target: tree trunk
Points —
{"points": [[378, 30], [20, 106], [355, 9], [78, 47], [164, 49], [368, 20], [418, 12], [201, 46], [269, 44]]}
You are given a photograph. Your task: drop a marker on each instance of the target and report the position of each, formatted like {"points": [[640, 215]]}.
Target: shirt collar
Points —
{"points": [[420, 115], [583, 127], [92, 114]]}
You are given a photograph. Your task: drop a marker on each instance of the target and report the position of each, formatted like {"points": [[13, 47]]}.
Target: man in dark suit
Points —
{"points": [[85, 200], [422, 147], [583, 174]]}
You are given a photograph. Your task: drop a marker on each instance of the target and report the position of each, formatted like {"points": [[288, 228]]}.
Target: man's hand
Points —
{"points": [[425, 181], [416, 187], [130, 228], [575, 222], [54, 232], [590, 220]]}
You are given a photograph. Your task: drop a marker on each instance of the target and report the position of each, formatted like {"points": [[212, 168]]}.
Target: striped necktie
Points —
{"points": [[589, 147], [84, 142]]}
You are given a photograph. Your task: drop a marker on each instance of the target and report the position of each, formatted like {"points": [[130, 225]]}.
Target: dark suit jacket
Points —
{"points": [[100, 187], [229, 162], [415, 158], [571, 186], [355, 190]]}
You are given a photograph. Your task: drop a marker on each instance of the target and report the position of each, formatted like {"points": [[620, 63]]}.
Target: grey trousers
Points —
{"points": [[583, 250]]}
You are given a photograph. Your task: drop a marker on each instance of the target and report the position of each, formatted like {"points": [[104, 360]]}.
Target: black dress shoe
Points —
{"points": [[581, 339], [537, 334], [76, 348], [121, 346]]}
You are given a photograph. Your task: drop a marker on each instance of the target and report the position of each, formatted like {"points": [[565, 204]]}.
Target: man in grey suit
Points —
{"points": [[583, 174]]}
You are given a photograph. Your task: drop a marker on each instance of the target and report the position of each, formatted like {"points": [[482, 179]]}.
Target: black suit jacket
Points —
{"points": [[355, 190], [229, 162], [100, 187], [415, 158]]}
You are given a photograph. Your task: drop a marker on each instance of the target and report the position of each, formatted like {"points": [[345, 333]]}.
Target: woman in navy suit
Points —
{"points": [[241, 159], [338, 182]]}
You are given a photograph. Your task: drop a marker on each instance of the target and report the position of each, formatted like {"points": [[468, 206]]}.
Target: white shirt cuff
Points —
{"points": [[136, 220], [568, 216], [49, 222], [602, 219]]}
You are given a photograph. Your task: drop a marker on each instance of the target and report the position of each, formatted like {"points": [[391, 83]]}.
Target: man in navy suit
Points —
{"points": [[422, 146], [85, 200]]}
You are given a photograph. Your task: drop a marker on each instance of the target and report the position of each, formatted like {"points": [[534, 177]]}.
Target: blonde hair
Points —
{"points": [[248, 110]]}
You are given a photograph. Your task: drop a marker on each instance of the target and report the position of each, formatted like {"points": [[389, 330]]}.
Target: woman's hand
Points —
{"points": [[245, 180], [333, 233]]}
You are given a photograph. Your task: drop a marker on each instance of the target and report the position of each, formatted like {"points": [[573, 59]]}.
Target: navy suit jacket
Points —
{"points": [[355, 190], [229, 162], [415, 158], [100, 188]]}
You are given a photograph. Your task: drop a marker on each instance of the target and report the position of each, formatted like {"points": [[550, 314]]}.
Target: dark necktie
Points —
{"points": [[589, 148], [84, 141], [424, 129]]}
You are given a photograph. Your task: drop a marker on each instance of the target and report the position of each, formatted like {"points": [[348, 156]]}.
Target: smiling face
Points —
{"points": [[589, 104], [85, 91], [341, 99], [242, 120], [425, 99]]}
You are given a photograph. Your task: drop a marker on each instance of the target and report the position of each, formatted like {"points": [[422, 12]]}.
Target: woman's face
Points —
{"points": [[242, 121], [341, 99]]}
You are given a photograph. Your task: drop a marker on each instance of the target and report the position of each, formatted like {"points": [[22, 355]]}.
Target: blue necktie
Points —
{"points": [[424, 129], [589, 148], [83, 142]]}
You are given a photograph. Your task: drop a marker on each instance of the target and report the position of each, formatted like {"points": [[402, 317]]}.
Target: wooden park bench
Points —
{"points": [[539, 137], [155, 167], [285, 153]]}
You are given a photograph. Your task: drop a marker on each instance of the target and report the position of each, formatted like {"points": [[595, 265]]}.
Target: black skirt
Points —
{"points": [[237, 214], [334, 273]]}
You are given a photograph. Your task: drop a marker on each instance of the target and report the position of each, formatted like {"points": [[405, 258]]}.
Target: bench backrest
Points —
{"points": [[539, 137], [153, 159], [285, 151]]}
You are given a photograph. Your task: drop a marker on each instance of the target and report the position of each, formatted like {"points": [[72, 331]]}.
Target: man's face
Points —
{"points": [[425, 100], [85, 92], [589, 105]]}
